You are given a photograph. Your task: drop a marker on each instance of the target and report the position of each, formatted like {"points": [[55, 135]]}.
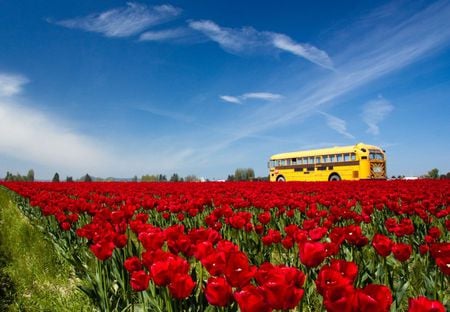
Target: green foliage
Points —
{"points": [[433, 173], [191, 178], [174, 178], [18, 177], [244, 174], [86, 178], [30, 175], [56, 177], [153, 178], [43, 280]]}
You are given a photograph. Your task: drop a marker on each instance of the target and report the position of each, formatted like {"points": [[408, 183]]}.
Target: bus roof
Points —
{"points": [[325, 151]]}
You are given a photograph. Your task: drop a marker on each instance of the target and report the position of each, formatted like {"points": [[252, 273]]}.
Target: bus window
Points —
{"points": [[288, 162], [305, 160], [299, 161], [294, 161], [332, 158], [311, 161], [346, 157], [339, 158], [283, 162], [376, 156], [278, 163], [318, 160], [353, 156]]}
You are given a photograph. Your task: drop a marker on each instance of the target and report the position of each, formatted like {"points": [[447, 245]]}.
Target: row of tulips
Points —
{"points": [[350, 246]]}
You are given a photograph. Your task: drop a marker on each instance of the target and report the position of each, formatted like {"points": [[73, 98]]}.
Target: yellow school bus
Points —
{"points": [[355, 162]]}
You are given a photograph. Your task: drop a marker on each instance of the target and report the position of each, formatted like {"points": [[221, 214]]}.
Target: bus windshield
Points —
{"points": [[376, 156]]}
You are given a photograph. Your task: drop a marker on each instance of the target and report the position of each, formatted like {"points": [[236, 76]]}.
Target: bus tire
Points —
{"points": [[334, 177], [281, 179]]}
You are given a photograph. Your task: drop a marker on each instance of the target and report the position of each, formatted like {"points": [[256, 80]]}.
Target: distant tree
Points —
{"points": [[244, 174], [174, 178], [162, 178], [14, 177], [30, 175], [230, 177], [69, 179], [433, 173], [448, 175], [134, 179], [191, 178], [154, 178], [87, 178], [8, 176], [56, 177], [149, 178]]}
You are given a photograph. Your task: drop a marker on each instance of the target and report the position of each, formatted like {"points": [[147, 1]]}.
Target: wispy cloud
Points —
{"points": [[164, 35], [264, 96], [306, 51], [250, 40], [374, 112], [230, 99], [36, 138], [337, 124], [417, 36], [125, 21], [166, 114], [11, 84]]}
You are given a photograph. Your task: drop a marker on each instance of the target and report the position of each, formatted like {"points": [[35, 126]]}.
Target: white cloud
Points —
{"points": [[166, 114], [307, 51], [125, 21], [230, 99], [163, 35], [374, 112], [231, 40], [337, 124], [267, 96], [250, 40], [30, 135], [264, 96], [417, 36], [11, 84]]}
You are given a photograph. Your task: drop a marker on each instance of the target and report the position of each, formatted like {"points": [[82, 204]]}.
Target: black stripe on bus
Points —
{"points": [[331, 165]]}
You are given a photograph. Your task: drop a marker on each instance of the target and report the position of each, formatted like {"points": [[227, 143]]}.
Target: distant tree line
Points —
{"points": [[245, 174], [434, 174], [163, 178], [18, 177]]}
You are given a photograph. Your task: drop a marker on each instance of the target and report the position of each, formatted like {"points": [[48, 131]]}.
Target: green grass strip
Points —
{"points": [[42, 280]]}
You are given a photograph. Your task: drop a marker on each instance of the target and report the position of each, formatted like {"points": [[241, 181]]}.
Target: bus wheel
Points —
{"points": [[281, 179], [334, 177]]}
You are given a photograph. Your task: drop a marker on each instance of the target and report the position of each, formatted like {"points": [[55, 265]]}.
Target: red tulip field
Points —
{"points": [[251, 246]]}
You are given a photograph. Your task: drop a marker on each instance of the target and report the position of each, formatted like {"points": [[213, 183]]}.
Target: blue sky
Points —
{"points": [[118, 88]]}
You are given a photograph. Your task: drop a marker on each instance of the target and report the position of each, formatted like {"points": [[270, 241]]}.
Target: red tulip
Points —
{"points": [[382, 245], [139, 280], [312, 253], [401, 251], [132, 264], [252, 299], [423, 304], [181, 286], [218, 292]]}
